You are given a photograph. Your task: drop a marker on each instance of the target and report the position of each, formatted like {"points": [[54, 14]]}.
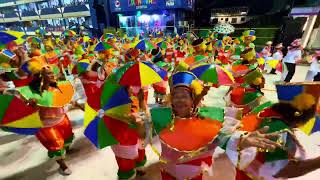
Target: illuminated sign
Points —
{"points": [[141, 2], [135, 5]]}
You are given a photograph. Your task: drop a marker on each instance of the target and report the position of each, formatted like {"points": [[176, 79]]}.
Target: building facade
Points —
{"points": [[54, 15]]}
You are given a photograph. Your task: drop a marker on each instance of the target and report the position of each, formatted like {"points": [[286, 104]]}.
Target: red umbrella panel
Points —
{"points": [[17, 117]]}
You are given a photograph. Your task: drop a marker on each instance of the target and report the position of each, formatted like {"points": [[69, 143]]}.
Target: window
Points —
{"points": [[234, 20], [243, 19], [221, 18], [227, 19]]}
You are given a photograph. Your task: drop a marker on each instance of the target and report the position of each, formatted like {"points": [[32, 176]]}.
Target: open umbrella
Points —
{"points": [[191, 60], [115, 104], [6, 38], [51, 97], [33, 39], [41, 31], [223, 28], [69, 33], [83, 66], [163, 45], [17, 117], [140, 74], [102, 46], [6, 55], [19, 35], [145, 45], [273, 63], [213, 74], [106, 36]]}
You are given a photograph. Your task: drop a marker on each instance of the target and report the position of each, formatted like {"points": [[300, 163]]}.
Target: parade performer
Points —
{"points": [[18, 77], [199, 47], [294, 55], [298, 154], [314, 71], [52, 57], [160, 88], [248, 94], [50, 96], [266, 55], [181, 159], [246, 49], [266, 51], [277, 56], [179, 55]]}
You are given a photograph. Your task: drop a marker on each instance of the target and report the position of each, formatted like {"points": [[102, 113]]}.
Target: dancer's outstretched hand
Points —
{"points": [[260, 139]]}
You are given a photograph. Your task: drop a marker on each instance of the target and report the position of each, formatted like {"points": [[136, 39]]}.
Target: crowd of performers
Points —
{"points": [[263, 139]]}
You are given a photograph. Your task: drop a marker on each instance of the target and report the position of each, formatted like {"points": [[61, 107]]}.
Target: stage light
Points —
{"points": [[144, 18], [138, 13], [155, 17]]}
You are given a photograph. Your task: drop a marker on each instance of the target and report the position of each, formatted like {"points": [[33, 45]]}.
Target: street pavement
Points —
{"points": [[24, 158]]}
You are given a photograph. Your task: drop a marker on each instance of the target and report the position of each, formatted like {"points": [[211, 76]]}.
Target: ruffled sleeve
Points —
{"points": [[246, 155]]}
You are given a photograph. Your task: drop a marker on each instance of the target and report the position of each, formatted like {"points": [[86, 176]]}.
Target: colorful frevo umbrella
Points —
{"points": [[163, 45], [115, 105], [106, 36], [6, 55], [69, 33], [102, 46], [51, 97], [6, 38], [192, 60], [144, 45], [33, 39], [140, 74], [83, 66], [273, 63], [214, 74], [19, 35], [17, 117], [41, 31]]}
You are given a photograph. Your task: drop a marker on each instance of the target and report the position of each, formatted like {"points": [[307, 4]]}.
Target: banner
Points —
{"points": [[136, 5]]}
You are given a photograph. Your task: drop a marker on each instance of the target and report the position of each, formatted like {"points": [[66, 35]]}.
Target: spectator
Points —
{"points": [[293, 56]]}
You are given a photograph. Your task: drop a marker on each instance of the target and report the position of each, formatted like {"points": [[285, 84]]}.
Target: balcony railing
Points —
{"points": [[50, 13], [76, 11], [70, 9]]}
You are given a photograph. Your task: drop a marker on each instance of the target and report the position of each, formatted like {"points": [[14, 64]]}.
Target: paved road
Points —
{"points": [[23, 157]]}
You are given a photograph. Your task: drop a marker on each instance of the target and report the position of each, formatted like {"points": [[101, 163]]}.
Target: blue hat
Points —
{"points": [[184, 78], [299, 94]]}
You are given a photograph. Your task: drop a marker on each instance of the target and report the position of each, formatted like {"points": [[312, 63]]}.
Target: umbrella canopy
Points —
{"points": [[83, 66], [163, 45], [41, 31], [51, 97], [140, 74], [213, 74], [6, 55], [106, 36], [33, 39], [145, 45], [19, 35], [16, 116], [102, 46], [6, 38], [223, 28], [69, 33], [273, 63], [191, 60], [115, 104], [84, 39]]}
